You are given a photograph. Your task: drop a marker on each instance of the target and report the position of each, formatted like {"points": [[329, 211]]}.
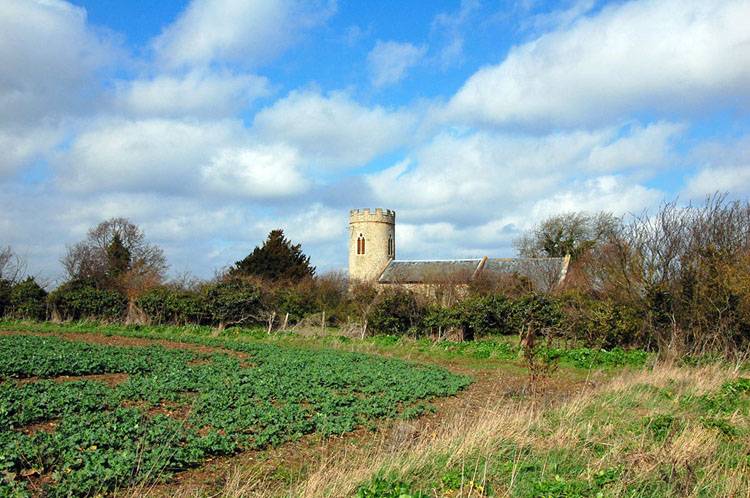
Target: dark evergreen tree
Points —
{"points": [[5, 288], [277, 259], [118, 257]]}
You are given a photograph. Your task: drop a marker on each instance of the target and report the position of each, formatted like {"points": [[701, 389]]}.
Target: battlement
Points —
{"points": [[378, 215]]}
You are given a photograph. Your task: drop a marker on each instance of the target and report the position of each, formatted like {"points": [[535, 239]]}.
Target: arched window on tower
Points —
{"points": [[390, 246], [361, 244]]}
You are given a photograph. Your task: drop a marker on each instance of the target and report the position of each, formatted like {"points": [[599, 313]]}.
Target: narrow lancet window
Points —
{"points": [[360, 244]]}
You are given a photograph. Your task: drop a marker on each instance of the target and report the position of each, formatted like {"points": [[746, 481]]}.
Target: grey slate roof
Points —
{"points": [[422, 272], [544, 273]]}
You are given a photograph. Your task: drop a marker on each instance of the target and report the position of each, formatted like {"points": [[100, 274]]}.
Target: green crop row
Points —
{"points": [[107, 436]]}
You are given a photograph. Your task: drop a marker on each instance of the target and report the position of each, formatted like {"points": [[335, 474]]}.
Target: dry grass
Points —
{"points": [[477, 442]]}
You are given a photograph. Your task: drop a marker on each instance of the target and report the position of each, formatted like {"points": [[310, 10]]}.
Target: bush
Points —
{"points": [[481, 316], [395, 312], [299, 301], [5, 288], [28, 301], [79, 300], [172, 305], [234, 302], [439, 319]]}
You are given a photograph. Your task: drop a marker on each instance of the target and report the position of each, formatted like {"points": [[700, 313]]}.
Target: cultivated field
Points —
{"points": [[88, 410]]}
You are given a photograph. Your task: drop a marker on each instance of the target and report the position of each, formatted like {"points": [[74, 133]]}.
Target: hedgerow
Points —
{"points": [[173, 305], [28, 301], [79, 301]]}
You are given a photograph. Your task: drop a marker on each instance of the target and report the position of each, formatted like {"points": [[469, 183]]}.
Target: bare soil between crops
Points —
{"points": [[277, 468]]}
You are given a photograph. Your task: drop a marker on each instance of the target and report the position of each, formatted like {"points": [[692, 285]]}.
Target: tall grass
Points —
{"points": [[666, 431]]}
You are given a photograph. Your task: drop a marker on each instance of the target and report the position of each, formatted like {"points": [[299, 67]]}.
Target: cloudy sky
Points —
{"points": [[211, 122]]}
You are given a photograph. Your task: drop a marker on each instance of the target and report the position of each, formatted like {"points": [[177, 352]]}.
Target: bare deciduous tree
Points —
{"points": [[89, 258], [12, 266], [567, 234]]}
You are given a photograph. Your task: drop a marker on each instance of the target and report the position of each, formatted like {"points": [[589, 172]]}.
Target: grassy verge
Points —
{"points": [[661, 432]]}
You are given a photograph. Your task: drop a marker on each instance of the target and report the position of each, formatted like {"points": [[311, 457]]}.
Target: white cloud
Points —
{"points": [[449, 27], [665, 55], [646, 147], [146, 155], [48, 56], [259, 172], [333, 130], [389, 61], [724, 167], [454, 176], [198, 93], [247, 32], [477, 177], [21, 146], [610, 193], [728, 179], [182, 157]]}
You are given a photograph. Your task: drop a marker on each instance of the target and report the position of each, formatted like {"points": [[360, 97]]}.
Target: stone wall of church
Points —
{"points": [[372, 242]]}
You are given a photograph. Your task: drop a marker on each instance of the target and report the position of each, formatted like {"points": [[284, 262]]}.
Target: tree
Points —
{"points": [[569, 233], [28, 300], [115, 254], [12, 266], [277, 259], [118, 257]]}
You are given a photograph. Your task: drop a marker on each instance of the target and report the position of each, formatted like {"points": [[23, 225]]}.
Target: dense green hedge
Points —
{"points": [[177, 306], [597, 323], [80, 301], [236, 301], [28, 301]]}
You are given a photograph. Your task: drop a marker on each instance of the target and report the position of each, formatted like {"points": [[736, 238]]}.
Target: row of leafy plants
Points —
{"points": [[175, 408]]}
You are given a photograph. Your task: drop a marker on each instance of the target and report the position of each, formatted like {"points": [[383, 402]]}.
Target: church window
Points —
{"points": [[390, 246], [360, 244]]}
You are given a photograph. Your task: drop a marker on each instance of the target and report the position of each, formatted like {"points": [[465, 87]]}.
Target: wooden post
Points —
{"points": [[270, 321], [286, 321], [323, 322]]}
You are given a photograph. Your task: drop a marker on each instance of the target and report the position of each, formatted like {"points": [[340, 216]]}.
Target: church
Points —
{"points": [[372, 259]]}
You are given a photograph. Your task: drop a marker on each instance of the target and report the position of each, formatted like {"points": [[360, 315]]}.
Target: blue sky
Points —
{"points": [[211, 122]]}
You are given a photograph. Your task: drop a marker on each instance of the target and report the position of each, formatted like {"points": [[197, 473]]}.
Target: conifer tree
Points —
{"points": [[277, 259], [118, 257]]}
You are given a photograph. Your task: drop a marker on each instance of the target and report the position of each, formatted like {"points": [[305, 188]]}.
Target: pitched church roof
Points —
{"points": [[417, 272], [544, 273]]}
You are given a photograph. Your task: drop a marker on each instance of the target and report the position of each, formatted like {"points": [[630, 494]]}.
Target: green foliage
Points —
{"points": [[662, 426], [108, 437], [171, 305], [728, 398], [596, 358], [604, 323], [234, 301], [5, 290], [396, 311], [298, 301], [28, 300], [380, 487], [78, 300], [118, 257], [276, 260]]}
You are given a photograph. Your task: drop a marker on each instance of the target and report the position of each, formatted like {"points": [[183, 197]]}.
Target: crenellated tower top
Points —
{"points": [[377, 215]]}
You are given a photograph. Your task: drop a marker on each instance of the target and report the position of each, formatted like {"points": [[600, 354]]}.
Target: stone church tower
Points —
{"points": [[372, 242]]}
